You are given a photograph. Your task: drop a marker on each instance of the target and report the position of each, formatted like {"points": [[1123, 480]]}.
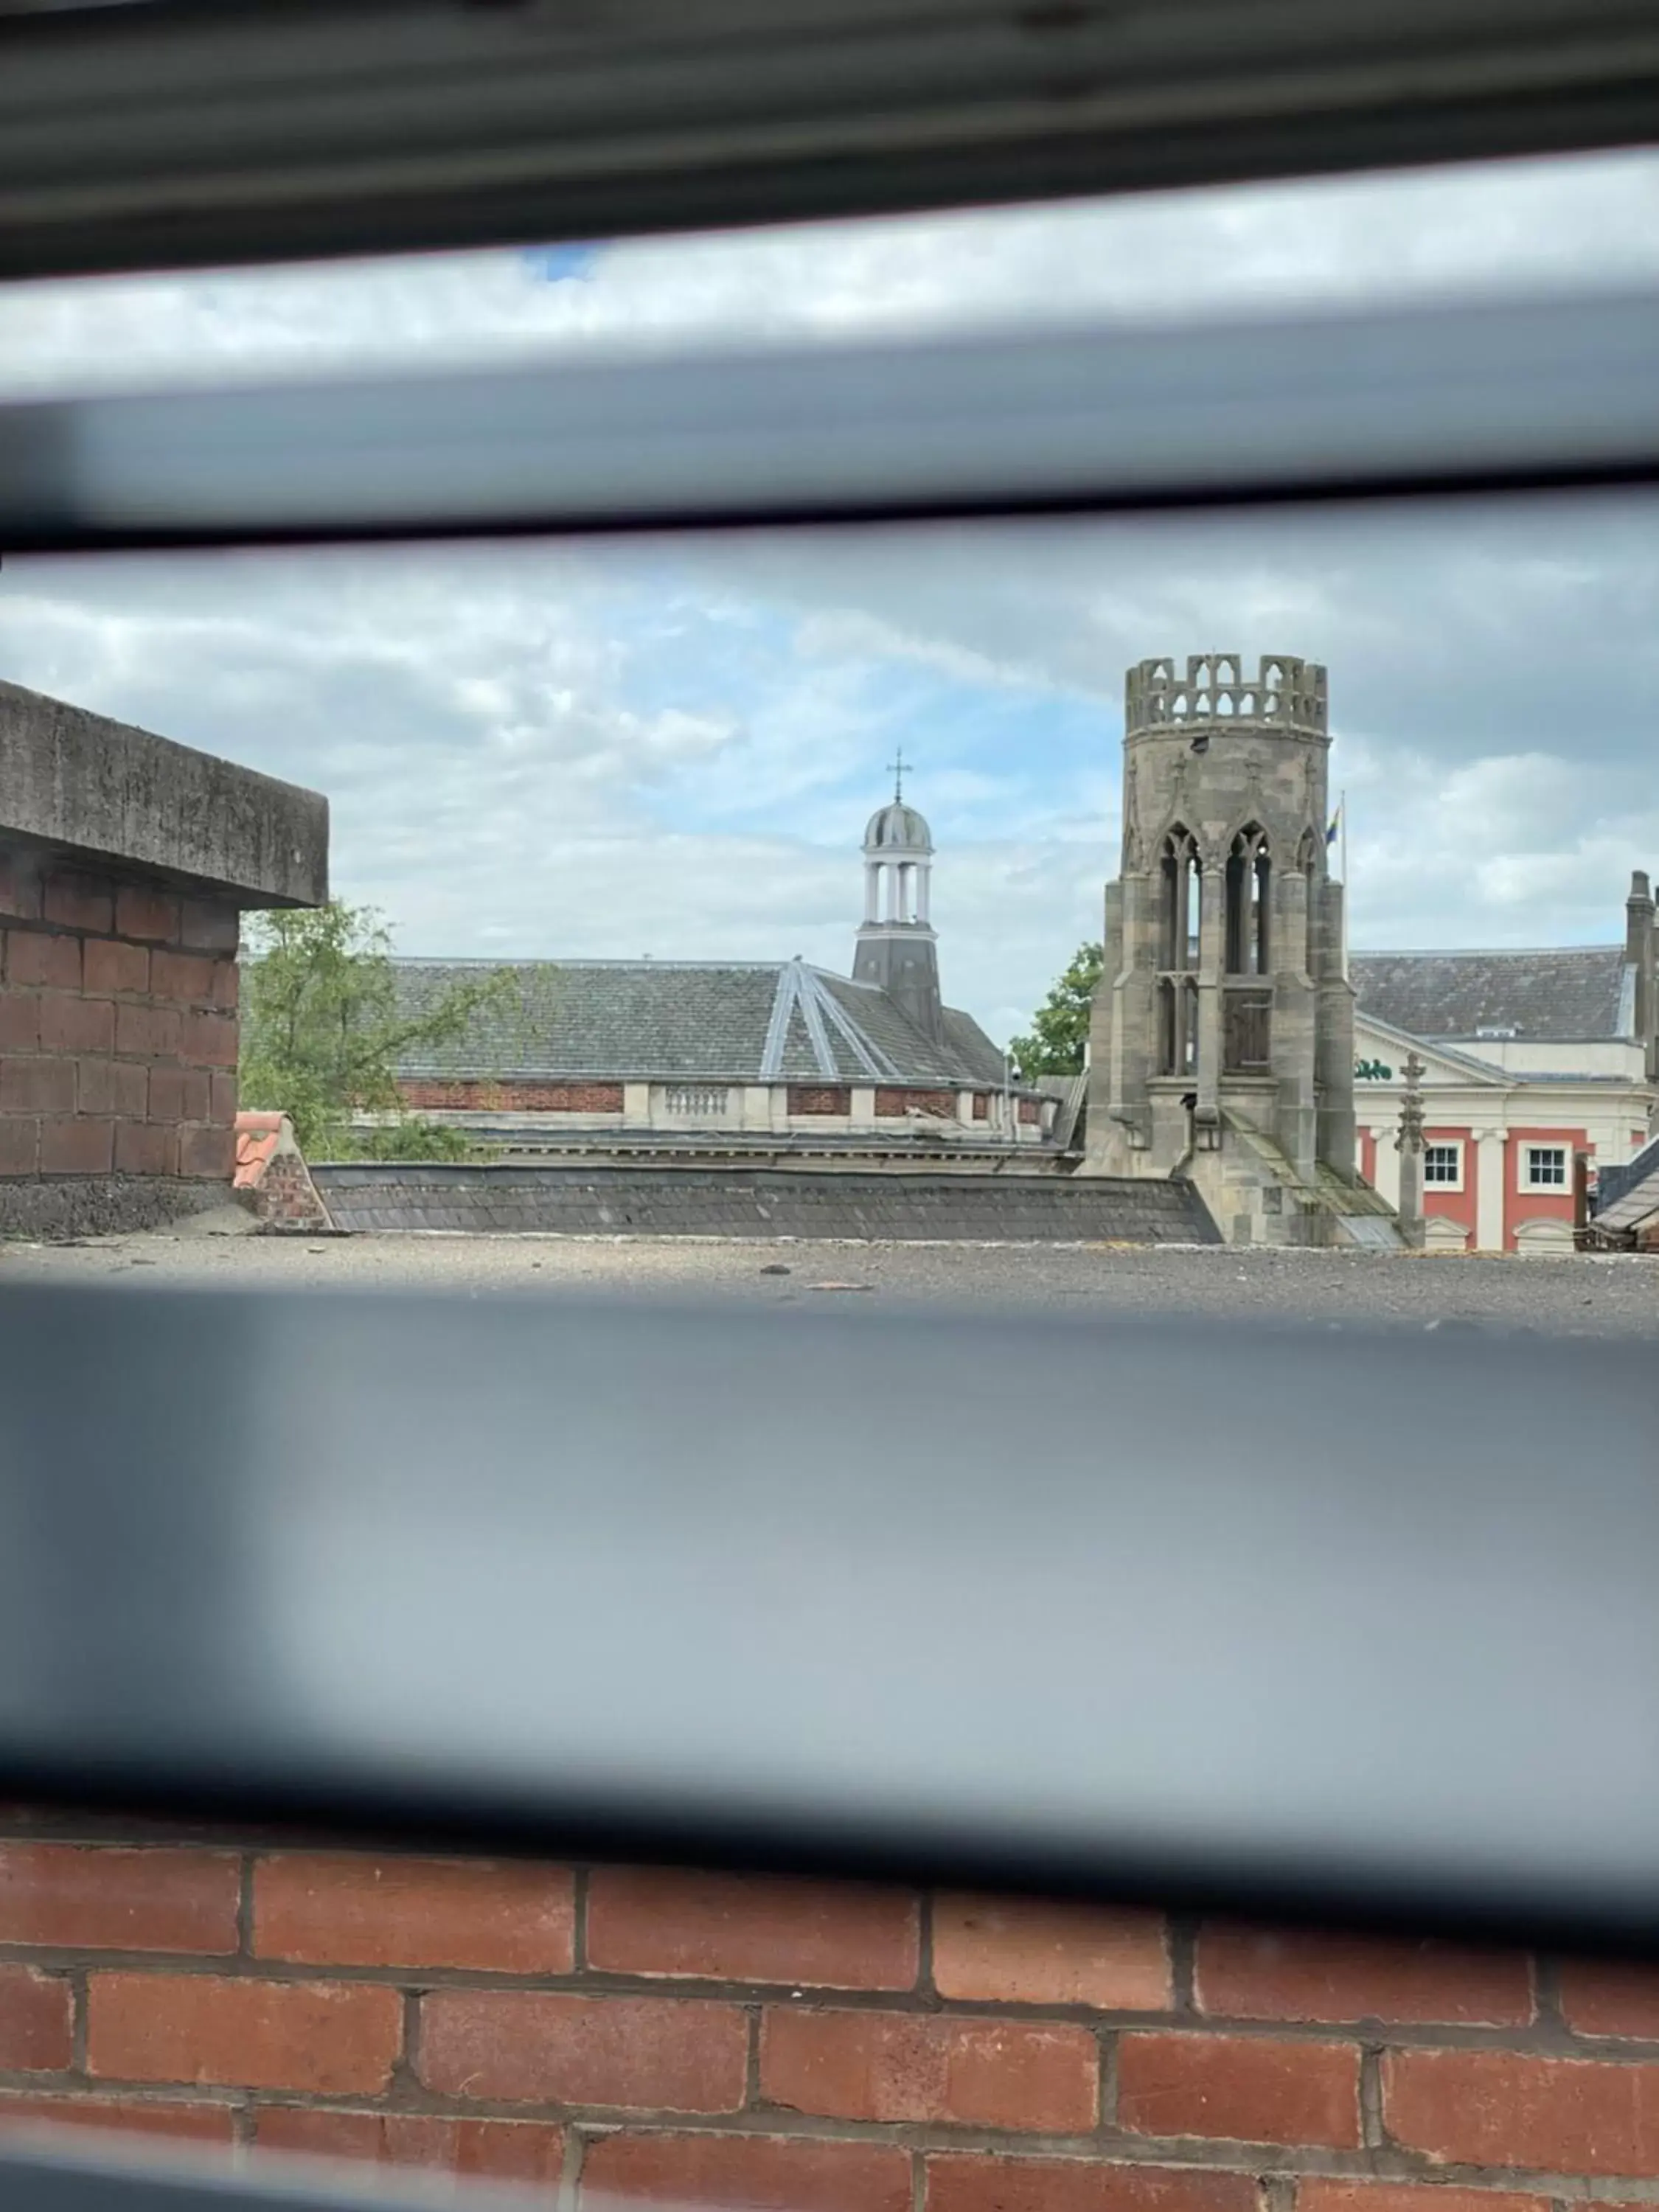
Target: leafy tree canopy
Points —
{"points": [[1059, 1028], [321, 1034]]}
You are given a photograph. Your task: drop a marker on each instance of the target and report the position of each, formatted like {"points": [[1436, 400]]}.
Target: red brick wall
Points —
{"points": [[486, 1095], [892, 1103], [118, 1026], [818, 1098], [757, 2042]]}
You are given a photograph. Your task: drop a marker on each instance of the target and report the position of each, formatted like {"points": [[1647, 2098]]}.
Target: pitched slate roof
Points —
{"points": [[1561, 996], [669, 1020], [1627, 1195]]}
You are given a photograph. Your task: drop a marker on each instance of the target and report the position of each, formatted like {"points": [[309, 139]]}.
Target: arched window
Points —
{"points": [[1177, 1015], [1248, 884], [1184, 902]]}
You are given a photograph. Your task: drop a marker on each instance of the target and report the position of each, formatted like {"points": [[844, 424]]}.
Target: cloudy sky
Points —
{"points": [[670, 747]]}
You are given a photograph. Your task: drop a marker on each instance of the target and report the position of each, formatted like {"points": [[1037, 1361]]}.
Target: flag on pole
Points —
{"points": [[1333, 825]]}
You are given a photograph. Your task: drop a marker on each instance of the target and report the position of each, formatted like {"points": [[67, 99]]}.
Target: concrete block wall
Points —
{"points": [[710, 2037], [117, 1045]]}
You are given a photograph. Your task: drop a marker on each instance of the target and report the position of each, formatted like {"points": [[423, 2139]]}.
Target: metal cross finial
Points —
{"points": [[898, 765]]}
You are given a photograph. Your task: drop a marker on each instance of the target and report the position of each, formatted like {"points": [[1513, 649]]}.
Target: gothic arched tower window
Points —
{"points": [[1183, 900], [1183, 917], [1248, 883]]}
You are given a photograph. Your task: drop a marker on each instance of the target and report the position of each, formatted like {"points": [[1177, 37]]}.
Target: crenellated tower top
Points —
{"points": [[1216, 689]]}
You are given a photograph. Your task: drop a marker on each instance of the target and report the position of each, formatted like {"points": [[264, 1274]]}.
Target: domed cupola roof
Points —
{"points": [[898, 828]]}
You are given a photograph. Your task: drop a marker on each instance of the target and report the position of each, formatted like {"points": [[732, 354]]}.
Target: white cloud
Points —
{"points": [[644, 748], [1239, 250]]}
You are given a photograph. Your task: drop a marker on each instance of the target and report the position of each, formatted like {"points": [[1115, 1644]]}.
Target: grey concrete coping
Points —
{"points": [[757, 1202], [121, 796]]}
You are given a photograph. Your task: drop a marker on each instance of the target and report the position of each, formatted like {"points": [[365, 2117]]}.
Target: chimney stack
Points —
{"points": [[1643, 955]]}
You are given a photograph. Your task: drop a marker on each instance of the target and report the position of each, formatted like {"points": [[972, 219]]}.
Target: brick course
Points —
{"points": [[525, 2046], [346, 1910], [1560, 2115], [128, 2115], [505, 2150], [1604, 1996], [114, 1897], [507, 1095], [711, 2038], [656, 1921], [957, 2184], [328, 2037], [1024, 1951], [1264, 1973], [1018, 2074], [36, 2022], [763, 2171], [1245, 2089]]}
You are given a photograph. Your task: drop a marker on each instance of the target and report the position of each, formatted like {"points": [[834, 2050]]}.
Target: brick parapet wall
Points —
{"points": [[757, 2042], [117, 1031]]}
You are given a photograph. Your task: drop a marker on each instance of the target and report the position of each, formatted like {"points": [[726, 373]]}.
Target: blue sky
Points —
{"points": [[983, 757], [593, 748]]}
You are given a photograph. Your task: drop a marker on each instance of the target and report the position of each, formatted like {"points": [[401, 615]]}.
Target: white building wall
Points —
{"points": [[1612, 1056]]}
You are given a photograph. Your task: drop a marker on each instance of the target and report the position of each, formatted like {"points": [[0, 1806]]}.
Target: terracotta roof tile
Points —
{"points": [[257, 1135]]}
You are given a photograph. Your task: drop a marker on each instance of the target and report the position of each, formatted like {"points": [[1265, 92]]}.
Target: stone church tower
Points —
{"points": [[1222, 1044]]}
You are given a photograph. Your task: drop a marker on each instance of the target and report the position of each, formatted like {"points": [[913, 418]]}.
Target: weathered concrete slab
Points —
{"points": [[79, 781], [739, 1202]]}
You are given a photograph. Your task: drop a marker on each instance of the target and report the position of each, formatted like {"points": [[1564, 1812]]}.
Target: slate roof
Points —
{"points": [[1627, 1195], [669, 1020], [1562, 996]]}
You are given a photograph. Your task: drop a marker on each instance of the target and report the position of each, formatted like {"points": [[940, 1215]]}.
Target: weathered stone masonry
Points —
{"points": [[125, 863], [712, 2038]]}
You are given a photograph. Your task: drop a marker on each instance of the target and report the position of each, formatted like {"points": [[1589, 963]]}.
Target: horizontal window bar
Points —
{"points": [[1183, 1609], [137, 2179], [164, 132], [1421, 399]]}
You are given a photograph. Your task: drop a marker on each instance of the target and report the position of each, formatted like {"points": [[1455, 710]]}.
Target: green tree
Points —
{"points": [[322, 1033], [1059, 1028]]}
